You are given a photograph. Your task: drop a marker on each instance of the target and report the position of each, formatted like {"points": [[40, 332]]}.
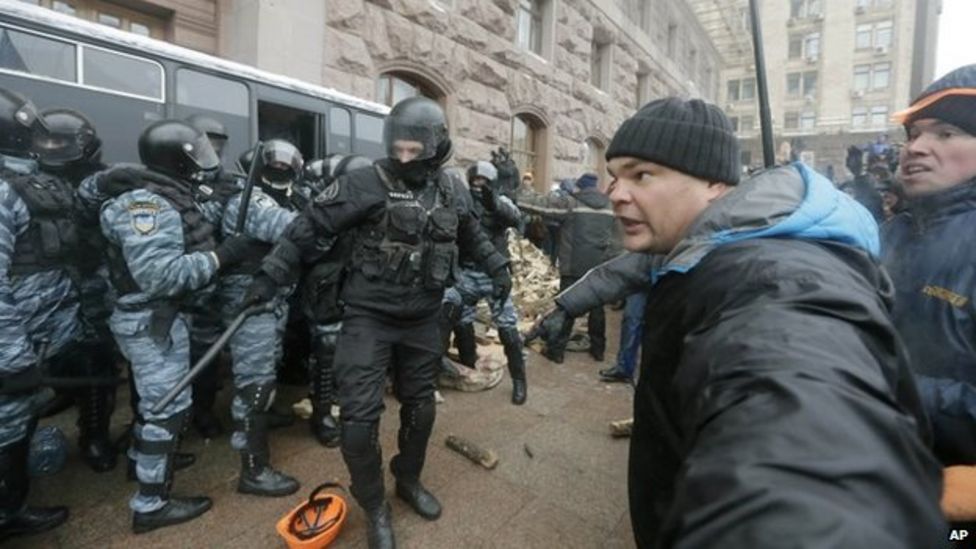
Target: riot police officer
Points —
{"points": [[256, 347], [497, 213], [71, 150], [38, 302], [163, 260], [319, 296], [408, 219]]}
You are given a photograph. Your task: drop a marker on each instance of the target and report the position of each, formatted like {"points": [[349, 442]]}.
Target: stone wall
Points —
{"points": [[468, 54]]}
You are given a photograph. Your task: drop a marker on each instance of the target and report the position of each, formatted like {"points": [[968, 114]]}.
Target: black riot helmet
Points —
{"points": [[70, 140], [19, 123], [244, 161], [483, 169], [177, 149], [418, 122], [213, 129], [281, 164]]}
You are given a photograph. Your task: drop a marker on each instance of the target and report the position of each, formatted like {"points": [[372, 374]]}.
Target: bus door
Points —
{"points": [[120, 93], [290, 116]]}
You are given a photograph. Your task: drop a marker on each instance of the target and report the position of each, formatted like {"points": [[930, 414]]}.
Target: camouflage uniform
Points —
{"points": [[33, 307], [148, 231], [255, 347]]}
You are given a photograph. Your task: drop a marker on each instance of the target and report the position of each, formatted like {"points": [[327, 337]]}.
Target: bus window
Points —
{"points": [[340, 132], [122, 73], [219, 98], [369, 135], [293, 125], [212, 93], [37, 55]]}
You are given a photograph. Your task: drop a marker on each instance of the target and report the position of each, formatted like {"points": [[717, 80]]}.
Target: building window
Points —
{"points": [[881, 76], [859, 117], [862, 77], [340, 131], [747, 123], [805, 8], [791, 120], [806, 46], [140, 29], [526, 145], [873, 35], [596, 162], [528, 25], [643, 89], [741, 90], [109, 20], [808, 120], [801, 84], [393, 88], [879, 116], [882, 34], [811, 45], [600, 65], [63, 7], [735, 123]]}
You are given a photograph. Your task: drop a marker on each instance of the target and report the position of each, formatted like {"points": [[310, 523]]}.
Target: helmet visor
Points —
{"points": [[202, 153], [408, 142]]}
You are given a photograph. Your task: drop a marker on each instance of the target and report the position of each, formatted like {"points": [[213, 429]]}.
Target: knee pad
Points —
{"points": [[359, 438]]}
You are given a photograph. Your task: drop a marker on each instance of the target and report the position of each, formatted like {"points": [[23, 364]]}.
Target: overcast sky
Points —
{"points": [[957, 36]]}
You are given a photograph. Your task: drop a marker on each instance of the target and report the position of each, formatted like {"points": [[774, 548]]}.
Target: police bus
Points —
{"points": [[124, 81]]}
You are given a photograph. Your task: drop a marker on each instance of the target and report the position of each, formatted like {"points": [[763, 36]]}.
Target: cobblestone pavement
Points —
{"points": [[570, 492]]}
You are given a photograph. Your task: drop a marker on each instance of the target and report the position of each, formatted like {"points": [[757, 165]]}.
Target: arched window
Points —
{"points": [[595, 159], [528, 147], [395, 86]]}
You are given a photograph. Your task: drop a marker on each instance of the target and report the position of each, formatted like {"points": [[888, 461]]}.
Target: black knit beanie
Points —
{"points": [[693, 137]]}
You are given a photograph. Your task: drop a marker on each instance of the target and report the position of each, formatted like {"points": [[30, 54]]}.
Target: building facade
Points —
{"points": [[548, 79], [836, 70]]}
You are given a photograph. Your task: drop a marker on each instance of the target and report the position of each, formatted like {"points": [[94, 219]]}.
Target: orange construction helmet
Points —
{"points": [[315, 523]]}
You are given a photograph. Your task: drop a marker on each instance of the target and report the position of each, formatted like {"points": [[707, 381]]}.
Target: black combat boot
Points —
{"points": [[364, 459], [323, 424], [95, 406], [16, 519], [175, 510], [416, 423], [466, 344], [512, 342], [257, 475]]}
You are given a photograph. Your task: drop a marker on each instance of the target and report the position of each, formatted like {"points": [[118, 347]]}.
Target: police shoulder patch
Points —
{"points": [[144, 216], [329, 194]]}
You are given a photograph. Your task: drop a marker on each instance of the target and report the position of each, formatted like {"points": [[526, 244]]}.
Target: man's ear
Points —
{"points": [[717, 189]]}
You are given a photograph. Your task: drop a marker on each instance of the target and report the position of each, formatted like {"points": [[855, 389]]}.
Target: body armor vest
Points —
{"points": [[51, 238], [412, 245], [198, 233]]}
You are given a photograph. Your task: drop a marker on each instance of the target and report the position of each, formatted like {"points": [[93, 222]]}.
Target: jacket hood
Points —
{"points": [[790, 201], [592, 198]]}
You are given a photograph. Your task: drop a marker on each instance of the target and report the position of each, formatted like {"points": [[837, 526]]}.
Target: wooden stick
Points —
{"points": [[485, 458]]}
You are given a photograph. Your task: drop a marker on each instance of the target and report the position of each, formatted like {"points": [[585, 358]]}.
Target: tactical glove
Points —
{"points": [[488, 198], [261, 290], [501, 283], [549, 326], [234, 250]]}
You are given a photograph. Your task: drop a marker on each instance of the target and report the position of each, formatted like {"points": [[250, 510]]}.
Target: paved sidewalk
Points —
{"points": [[571, 491]]}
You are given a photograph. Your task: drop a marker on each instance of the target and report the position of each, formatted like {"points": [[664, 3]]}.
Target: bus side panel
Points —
{"points": [[118, 119]]}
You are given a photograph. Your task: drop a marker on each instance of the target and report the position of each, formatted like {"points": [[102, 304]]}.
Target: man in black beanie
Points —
{"points": [[928, 249], [774, 406]]}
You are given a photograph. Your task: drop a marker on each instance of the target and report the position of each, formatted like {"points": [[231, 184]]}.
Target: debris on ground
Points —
{"points": [[486, 458], [535, 280], [528, 451], [622, 428], [487, 373]]}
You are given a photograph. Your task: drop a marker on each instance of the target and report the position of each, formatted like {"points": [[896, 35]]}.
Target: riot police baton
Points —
{"points": [[252, 174], [211, 353]]}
